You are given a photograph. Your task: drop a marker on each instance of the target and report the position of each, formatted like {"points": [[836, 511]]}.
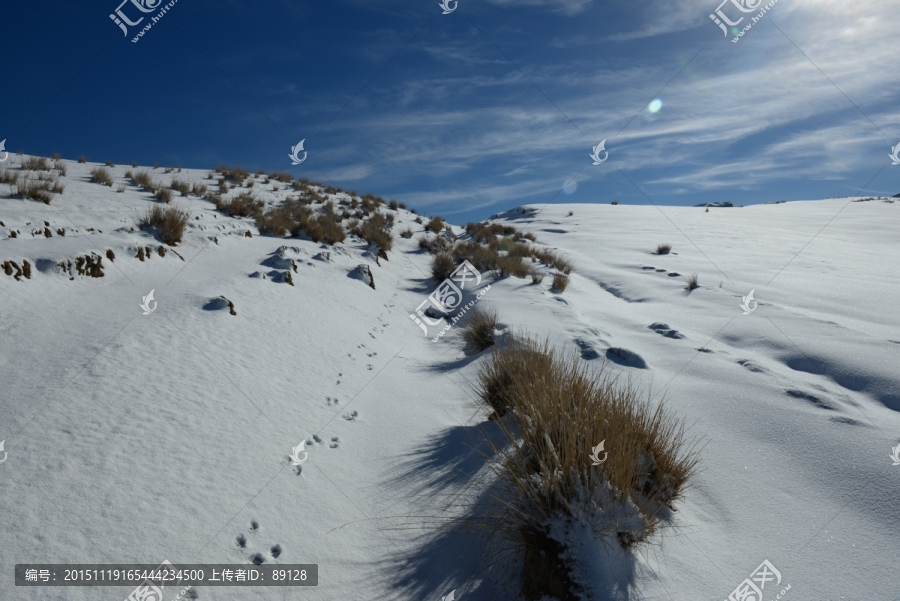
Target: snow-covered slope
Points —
{"points": [[134, 438]]}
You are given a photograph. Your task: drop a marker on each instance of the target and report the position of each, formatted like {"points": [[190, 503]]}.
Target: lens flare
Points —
{"points": [[655, 105], [570, 186]]}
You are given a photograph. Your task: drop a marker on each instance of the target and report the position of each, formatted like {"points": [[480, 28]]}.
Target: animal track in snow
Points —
{"points": [[664, 330], [625, 357], [754, 367], [331, 401], [674, 274], [369, 366], [240, 541], [275, 551], [335, 441], [351, 416], [316, 438], [821, 403], [253, 526]]}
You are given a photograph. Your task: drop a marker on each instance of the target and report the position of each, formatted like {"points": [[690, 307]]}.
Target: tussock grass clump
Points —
{"points": [[101, 176], [60, 167], [559, 408], [506, 244], [551, 258], [82, 159], [121, 188], [406, 233], [376, 230], [435, 224], [142, 179], [560, 282], [243, 205], [478, 332], [235, 174], [110, 164], [35, 164], [169, 222], [38, 189], [691, 281], [198, 189], [180, 186], [510, 265], [442, 265], [290, 218], [663, 249], [393, 205], [536, 276], [164, 194], [324, 229], [9, 177], [282, 176]]}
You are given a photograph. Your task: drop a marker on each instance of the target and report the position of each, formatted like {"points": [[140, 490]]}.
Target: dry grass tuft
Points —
{"points": [[442, 265], [101, 176], [663, 249], [559, 408], [142, 179], [35, 164], [478, 333], [243, 205], [169, 222], [164, 194], [38, 189], [180, 186], [537, 276], [9, 177], [692, 282], [82, 159], [560, 282], [406, 233], [434, 225], [324, 229], [376, 230], [512, 265]]}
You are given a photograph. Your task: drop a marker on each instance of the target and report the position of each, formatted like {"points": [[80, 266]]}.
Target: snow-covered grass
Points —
{"points": [[137, 438]]}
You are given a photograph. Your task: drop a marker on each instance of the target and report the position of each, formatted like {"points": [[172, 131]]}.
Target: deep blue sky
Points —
{"points": [[471, 113]]}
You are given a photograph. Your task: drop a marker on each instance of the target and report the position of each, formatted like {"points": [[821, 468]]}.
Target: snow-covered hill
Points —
{"points": [[134, 437]]}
